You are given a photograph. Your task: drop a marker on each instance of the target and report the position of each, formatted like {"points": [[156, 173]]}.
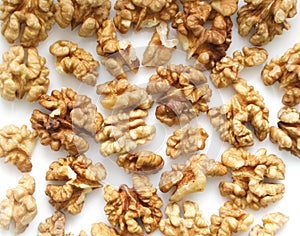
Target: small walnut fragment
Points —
{"points": [[22, 72], [231, 219], [19, 205], [226, 8], [26, 20], [193, 223], [69, 116], [190, 177], [75, 60], [128, 207], [101, 229], [124, 131], [253, 178], [81, 176], [246, 106], [121, 95], [272, 223], [266, 17], [182, 92], [186, 140], [285, 70], [90, 15], [227, 69]]}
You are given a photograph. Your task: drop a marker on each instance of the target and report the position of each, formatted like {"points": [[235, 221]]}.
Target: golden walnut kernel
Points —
{"points": [[121, 95], [23, 71], [124, 131], [227, 69], [272, 223], [285, 70], [19, 206], [80, 177], [231, 219], [253, 178], [27, 20], [246, 106], [133, 209], [101, 229], [266, 17], [186, 140], [143, 14], [72, 59], [192, 224], [207, 45], [182, 92], [190, 177], [69, 116], [88, 14], [226, 8]]}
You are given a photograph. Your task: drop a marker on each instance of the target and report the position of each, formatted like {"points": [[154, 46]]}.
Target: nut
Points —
{"points": [[128, 207], [190, 177], [226, 8], [23, 71], [72, 59], [101, 229], [80, 177], [19, 205], [249, 174], [193, 222], [266, 17]]}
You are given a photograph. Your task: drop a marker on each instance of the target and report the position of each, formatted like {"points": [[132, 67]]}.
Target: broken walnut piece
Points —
{"points": [[226, 8], [253, 178], [192, 223], [75, 60], [266, 17], [190, 177], [19, 205], [133, 209], [101, 229]]}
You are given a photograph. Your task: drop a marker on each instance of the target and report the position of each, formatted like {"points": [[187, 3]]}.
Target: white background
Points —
{"points": [[19, 112]]}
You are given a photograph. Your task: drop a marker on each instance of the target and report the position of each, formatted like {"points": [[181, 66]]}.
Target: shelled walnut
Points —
{"points": [[190, 177], [23, 71], [253, 178], [124, 131], [207, 45], [80, 177], [231, 219], [101, 229], [226, 8], [120, 56], [143, 14], [246, 106], [121, 95], [19, 205], [285, 71], [266, 17], [186, 140], [69, 116], [133, 209], [88, 14], [227, 69], [272, 223], [16, 146], [192, 224], [26, 20], [75, 60], [182, 92]]}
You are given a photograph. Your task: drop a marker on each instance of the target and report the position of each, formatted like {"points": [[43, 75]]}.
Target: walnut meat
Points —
{"points": [[193, 223], [26, 20], [80, 177], [88, 14], [246, 106], [253, 178], [75, 60], [226, 8], [266, 17], [22, 72], [19, 206], [127, 208], [69, 116], [101, 229], [182, 92], [190, 177]]}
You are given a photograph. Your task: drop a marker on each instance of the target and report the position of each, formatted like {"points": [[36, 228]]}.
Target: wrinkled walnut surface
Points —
{"points": [[101, 229]]}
